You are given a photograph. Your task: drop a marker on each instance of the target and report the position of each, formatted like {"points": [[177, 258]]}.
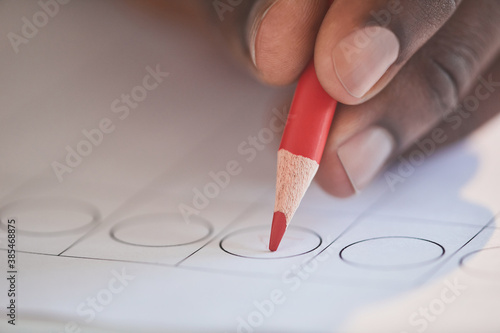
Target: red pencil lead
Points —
{"points": [[277, 230]]}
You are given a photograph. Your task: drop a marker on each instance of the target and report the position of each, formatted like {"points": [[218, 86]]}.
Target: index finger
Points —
{"points": [[362, 44]]}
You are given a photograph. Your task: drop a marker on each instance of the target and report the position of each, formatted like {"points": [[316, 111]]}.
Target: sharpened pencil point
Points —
{"points": [[278, 229]]}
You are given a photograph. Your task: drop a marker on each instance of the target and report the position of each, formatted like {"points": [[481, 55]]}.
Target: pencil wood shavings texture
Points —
{"points": [[294, 176]]}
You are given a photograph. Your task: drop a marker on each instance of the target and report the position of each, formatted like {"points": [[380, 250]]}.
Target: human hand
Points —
{"points": [[406, 72]]}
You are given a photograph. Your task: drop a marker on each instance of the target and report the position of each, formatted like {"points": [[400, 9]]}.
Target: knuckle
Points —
{"points": [[441, 84], [454, 56], [447, 66]]}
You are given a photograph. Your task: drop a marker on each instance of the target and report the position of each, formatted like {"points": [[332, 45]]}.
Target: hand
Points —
{"points": [[406, 72]]}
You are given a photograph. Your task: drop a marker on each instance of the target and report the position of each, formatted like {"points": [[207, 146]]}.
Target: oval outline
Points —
{"points": [[59, 202], [132, 220], [266, 226], [392, 267]]}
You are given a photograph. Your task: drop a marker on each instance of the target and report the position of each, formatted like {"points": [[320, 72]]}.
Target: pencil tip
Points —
{"points": [[277, 230]]}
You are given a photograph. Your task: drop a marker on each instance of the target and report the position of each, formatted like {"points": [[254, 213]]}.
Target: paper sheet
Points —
{"points": [[152, 212]]}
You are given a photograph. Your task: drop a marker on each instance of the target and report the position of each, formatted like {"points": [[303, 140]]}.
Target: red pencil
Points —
{"points": [[301, 148]]}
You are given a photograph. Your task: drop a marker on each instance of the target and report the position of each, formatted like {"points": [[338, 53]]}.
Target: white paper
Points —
{"points": [[108, 247]]}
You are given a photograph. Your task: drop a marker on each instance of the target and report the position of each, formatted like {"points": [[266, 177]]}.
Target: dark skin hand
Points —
{"points": [[400, 68], [405, 71]]}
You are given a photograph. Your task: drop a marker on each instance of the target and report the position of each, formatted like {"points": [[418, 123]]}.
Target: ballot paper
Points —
{"points": [[137, 190]]}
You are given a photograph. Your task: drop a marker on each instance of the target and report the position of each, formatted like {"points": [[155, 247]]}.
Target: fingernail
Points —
{"points": [[364, 155], [257, 15], [362, 58]]}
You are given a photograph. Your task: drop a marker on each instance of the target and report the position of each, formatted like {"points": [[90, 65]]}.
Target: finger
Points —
{"points": [[281, 36], [366, 137], [362, 44], [480, 105]]}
